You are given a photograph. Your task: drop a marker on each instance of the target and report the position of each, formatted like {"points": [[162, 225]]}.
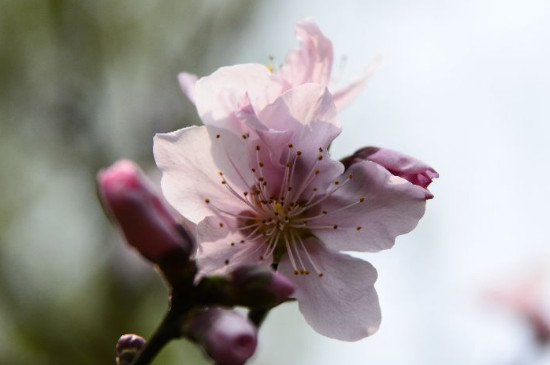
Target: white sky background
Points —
{"points": [[464, 86]]}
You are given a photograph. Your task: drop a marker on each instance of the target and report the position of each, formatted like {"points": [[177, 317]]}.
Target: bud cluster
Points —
{"points": [[149, 226]]}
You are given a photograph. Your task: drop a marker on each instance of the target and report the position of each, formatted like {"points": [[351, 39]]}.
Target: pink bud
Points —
{"points": [[281, 286], [259, 286], [226, 336], [140, 212], [398, 164]]}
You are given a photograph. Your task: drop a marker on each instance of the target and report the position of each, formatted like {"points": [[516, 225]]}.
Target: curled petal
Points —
{"points": [[399, 164], [370, 210], [342, 303]]}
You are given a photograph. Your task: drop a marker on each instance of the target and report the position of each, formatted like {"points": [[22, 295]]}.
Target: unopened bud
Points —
{"points": [[127, 347], [226, 336], [141, 213], [259, 286], [399, 164]]}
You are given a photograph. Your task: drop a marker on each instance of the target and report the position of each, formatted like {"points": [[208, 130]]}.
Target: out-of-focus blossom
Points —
{"points": [[399, 164], [273, 195], [219, 97], [525, 298], [226, 336], [140, 212]]}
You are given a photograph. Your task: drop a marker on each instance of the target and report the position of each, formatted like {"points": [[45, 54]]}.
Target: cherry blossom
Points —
{"points": [[267, 192]]}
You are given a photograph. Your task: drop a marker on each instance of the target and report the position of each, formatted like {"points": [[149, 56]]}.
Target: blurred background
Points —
{"points": [[463, 85]]}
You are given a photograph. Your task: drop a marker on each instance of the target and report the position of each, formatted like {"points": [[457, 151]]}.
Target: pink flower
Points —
{"points": [[399, 164], [219, 96], [272, 195]]}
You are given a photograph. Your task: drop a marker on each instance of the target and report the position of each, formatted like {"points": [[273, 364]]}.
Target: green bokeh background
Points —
{"points": [[84, 83]]}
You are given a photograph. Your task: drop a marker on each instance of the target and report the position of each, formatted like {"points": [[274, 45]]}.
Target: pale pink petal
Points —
{"points": [[312, 61], [369, 211], [191, 160], [399, 164], [223, 248], [342, 96], [219, 96], [302, 122], [301, 105], [187, 83], [341, 304]]}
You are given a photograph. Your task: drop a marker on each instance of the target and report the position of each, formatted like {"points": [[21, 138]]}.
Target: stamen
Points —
{"points": [[313, 172], [319, 273], [251, 236], [271, 244], [284, 184], [291, 256], [242, 228], [239, 216], [304, 270], [254, 208], [311, 227], [347, 206], [329, 193]]}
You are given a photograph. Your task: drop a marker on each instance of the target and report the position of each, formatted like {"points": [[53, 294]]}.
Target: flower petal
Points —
{"points": [[308, 113], [219, 96], [369, 211], [222, 248], [301, 105], [312, 61], [341, 304], [191, 160], [187, 83], [399, 164]]}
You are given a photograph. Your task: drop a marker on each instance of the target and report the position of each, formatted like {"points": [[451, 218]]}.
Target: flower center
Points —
{"points": [[278, 218]]}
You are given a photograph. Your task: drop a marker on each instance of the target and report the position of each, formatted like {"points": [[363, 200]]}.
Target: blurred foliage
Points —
{"points": [[85, 83]]}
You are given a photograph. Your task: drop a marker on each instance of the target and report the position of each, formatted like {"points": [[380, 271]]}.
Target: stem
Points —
{"points": [[166, 331], [258, 315]]}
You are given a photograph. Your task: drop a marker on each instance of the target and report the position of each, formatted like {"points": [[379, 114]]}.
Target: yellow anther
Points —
{"points": [[279, 208]]}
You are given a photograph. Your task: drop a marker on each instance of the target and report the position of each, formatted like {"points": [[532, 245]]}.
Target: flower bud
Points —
{"points": [[127, 347], [259, 286], [140, 212], [406, 167], [226, 336]]}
